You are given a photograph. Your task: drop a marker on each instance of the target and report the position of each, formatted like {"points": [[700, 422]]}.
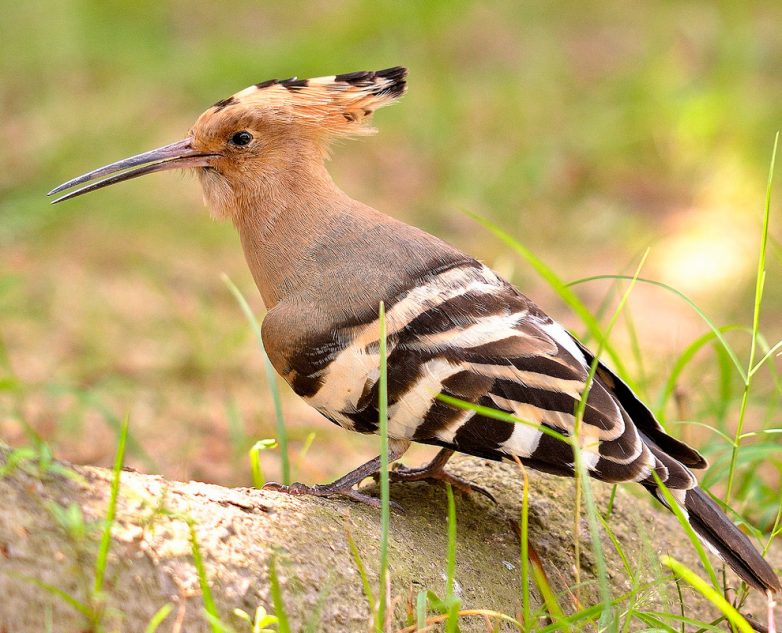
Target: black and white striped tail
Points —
{"points": [[731, 544], [723, 538]]}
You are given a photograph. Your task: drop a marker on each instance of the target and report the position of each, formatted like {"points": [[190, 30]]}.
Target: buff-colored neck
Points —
{"points": [[279, 218]]}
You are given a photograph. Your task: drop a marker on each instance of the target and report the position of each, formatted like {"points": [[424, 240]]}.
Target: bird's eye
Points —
{"points": [[241, 138]]}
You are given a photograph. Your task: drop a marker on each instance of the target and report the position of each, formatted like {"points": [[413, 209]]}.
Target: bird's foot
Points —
{"points": [[436, 474], [328, 490]]}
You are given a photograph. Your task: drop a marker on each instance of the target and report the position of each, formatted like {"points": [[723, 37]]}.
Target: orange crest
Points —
{"points": [[339, 105]]}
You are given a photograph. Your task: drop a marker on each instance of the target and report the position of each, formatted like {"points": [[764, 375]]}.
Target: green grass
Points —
{"points": [[259, 480], [452, 602], [259, 622], [271, 378], [760, 282], [157, 619], [381, 623], [276, 591], [735, 618], [38, 463], [524, 548], [210, 607], [676, 508], [366, 585], [612, 612], [101, 559]]}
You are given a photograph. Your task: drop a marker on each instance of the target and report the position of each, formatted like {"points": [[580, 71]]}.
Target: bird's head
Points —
{"points": [[242, 143]]}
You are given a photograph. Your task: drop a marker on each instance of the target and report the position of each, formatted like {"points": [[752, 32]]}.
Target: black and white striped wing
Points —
{"points": [[466, 333]]}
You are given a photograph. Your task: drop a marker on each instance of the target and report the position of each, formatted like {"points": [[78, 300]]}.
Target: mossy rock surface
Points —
{"points": [[239, 531]]}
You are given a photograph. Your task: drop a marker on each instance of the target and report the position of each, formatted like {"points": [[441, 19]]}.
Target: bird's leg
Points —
{"points": [[434, 472], [344, 485]]}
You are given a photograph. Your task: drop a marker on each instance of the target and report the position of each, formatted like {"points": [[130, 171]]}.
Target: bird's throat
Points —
{"points": [[281, 225]]}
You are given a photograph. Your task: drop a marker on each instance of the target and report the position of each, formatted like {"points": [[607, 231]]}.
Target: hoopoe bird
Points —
{"points": [[324, 262]]}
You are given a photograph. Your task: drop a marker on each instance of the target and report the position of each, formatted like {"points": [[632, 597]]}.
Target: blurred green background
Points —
{"points": [[590, 131]]}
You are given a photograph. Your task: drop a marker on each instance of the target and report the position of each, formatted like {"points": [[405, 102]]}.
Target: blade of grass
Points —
{"points": [[271, 379], [607, 618], [430, 622], [717, 333], [775, 528], [525, 608], [760, 280], [362, 571], [67, 598], [385, 509], [283, 626], [676, 617], [206, 593], [217, 623], [157, 619], [255, 460], [635, 347], [111, 514], [590, 612], [420, 610], [236, 433], [450, 598], [724, 396], [654, 622], [772, 350], [681, 364], [557, 284], [611, 500], [776, 378], [503, 416], [712, 595], [550, 599], [618, 547], [705, 427], [305, 447], [674, 506]]}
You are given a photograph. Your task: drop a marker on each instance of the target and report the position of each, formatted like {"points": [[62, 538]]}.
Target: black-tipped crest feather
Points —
{"points": [[336, 105]]}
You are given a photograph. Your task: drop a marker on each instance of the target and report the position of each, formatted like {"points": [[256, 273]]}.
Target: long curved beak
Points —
{"points": [[179, 155]]}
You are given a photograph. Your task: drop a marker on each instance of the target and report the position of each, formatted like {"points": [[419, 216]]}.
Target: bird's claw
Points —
{"points": [[439, 476]]}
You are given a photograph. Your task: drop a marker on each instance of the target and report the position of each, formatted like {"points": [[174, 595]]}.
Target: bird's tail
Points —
{"points": [[715, 529]]}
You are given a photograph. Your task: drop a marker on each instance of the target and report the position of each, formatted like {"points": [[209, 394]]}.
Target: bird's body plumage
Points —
{"points": [[323, 264], [460, 330]]}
